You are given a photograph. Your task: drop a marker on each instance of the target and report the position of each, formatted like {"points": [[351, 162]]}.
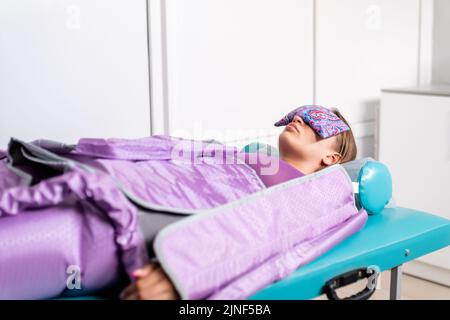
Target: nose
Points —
{"points": [[298, 119]]}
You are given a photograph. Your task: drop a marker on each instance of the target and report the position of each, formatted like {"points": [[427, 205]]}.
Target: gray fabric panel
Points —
{"points": [[354, 167], [25, 164], [54, 146], [151, 222]]}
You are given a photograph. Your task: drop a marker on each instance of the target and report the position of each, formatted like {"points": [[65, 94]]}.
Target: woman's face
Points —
{"points": [[300, 142]]}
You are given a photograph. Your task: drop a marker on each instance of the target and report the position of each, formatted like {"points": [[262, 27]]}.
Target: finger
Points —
{"points": [[128, 290], [152, 279], [162, 286], [167, 296], [154, 288], [158, 294], [133, 296], [144, 271]]}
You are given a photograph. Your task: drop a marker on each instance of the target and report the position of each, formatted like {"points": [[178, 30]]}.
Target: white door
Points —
{"points": [[234, 67], [73, 68]]}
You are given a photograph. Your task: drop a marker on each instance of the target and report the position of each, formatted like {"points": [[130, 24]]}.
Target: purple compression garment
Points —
{"points": [[142, 168], [170, 173], [39, 247], [61, 222], [234, 250]]}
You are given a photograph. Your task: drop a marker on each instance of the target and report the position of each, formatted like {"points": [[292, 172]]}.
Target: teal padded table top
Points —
{"points": [[388, 240]]}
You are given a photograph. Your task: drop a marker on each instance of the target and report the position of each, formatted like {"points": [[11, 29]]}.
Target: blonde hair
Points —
{"points": [[346, 144]]}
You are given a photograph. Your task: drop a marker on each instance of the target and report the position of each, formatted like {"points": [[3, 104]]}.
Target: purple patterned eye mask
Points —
{"points": [[322, 120]]}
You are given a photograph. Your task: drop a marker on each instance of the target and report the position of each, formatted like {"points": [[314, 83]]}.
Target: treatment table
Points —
{"points": [[390, 238]]}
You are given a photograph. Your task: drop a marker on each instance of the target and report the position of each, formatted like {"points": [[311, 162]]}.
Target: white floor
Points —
{"points": [[412, 289]]}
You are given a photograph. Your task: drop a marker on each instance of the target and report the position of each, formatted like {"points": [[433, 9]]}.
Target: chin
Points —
{"points": [[288, 143]]}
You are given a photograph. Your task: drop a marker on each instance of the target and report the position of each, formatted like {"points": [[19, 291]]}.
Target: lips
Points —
{"points": [[293, 126]]}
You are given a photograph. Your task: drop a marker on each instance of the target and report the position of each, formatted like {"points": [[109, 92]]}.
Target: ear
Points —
{"points": [[331, 158]]}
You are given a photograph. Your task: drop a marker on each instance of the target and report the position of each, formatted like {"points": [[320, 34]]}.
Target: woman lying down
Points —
{"points": [[314, 138], [105, 206]]}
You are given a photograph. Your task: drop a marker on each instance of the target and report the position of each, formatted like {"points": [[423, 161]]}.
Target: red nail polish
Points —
{"points": [[135, 274]]}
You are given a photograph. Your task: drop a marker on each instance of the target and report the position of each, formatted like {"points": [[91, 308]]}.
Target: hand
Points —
{"points": [[151, 284]]}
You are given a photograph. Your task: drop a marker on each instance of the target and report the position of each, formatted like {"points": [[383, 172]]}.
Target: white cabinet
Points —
{"points": [[73, 68], [234, 67], [414, 142]]}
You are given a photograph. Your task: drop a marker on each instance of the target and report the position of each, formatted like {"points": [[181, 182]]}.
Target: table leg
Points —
{"points": [[396, 280]]}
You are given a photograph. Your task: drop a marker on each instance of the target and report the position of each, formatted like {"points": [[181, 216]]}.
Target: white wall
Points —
{"points": [[239, 65], [225, 69], [441, 47], [363, 46], [73, 68], [235, 67]]}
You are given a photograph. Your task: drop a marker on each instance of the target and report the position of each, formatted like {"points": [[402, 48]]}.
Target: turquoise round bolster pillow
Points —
{"points": [[372, 183]]}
